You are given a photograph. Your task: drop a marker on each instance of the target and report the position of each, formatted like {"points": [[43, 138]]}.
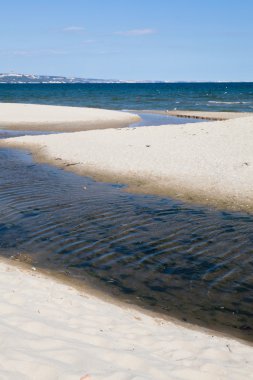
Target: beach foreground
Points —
{"points": [[58, 118], [209, 162], [52, 331]]}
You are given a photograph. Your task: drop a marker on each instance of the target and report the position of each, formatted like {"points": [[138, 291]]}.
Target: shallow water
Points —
{"points": [[191, 262], [152, 119]]}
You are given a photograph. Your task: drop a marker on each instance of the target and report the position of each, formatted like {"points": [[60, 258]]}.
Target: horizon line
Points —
{"points": [[125, 80]]}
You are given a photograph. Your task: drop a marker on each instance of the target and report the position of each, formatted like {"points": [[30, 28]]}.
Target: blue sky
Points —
{"points": [[129, 39]]}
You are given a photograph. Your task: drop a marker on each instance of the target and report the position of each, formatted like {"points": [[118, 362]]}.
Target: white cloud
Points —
{"points": [[137, 32], [73, 29]]}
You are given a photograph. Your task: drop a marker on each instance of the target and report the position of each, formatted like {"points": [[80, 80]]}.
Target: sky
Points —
{"points": [[179, 40]]}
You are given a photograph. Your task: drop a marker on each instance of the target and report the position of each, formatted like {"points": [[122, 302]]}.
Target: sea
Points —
{"points": [[136, 96]]}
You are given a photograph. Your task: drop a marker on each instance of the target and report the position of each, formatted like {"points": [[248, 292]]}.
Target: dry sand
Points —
{"points": [[51, 331], [58, 118], [206, 162]]}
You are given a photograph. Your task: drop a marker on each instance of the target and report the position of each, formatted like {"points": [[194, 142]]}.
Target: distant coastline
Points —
{"points": [[16, 78], [20, 78]]}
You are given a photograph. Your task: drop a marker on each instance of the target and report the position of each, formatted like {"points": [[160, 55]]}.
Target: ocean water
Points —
{"points": [[158, 96]]}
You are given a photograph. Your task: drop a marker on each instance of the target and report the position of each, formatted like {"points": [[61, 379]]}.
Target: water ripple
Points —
{"points": [[190, 262]]}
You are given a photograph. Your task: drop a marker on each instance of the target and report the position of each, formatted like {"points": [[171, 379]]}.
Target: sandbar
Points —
{"points": [[59, 118], [210, 163]]}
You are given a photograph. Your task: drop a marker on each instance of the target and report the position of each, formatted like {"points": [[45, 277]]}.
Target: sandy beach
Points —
{"points": [[210, 162], [59, 118], [51, 330]]}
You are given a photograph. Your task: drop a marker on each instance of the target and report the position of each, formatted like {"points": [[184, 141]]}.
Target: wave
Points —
{"points": [[222, 102]]}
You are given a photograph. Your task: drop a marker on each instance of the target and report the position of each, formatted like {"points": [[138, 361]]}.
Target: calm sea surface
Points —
{"points": [[192, 96], [191, 262]]}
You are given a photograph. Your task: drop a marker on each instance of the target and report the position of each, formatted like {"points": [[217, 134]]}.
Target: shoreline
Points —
{"points": [[93, 289], [123, 284], [136, 343], [35, 117], [203, 163], [140, 185]]}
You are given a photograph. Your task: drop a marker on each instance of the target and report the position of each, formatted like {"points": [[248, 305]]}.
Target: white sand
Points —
{"points": [[58, 118], [50, 331], [204, 161]]}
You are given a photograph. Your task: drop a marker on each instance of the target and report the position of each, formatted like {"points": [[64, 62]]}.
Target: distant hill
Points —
{"points": [[30, 78]]}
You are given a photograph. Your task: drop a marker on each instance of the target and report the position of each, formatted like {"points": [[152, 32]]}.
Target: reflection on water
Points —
{"points": [[187, 261]]}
